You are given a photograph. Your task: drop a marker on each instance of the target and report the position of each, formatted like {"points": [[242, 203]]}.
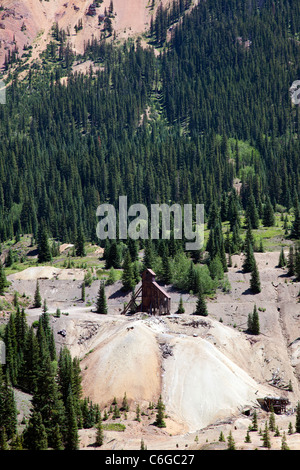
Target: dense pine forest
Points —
{"points": [[214, 105], [204, 105]]}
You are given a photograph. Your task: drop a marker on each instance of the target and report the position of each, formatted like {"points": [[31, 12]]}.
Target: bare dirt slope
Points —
{"points": [[29, 22]]}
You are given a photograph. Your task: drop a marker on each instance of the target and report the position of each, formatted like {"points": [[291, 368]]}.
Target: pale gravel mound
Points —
{"points": [[201, 385], [34, 273], [128, 361], [47, 272]]}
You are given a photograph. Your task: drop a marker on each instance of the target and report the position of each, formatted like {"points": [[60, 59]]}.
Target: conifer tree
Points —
{"points": [[295, 231], [284, 445], [268, 214], [35, 436], [37, 296], [297, 423], [72, 438], [266, 437], [160, 414], [148, 259], [143, 446], [252, 212], [8, 413], [128, 279], [282, 260], [57, 439], [254, 280], [297, 263], [44, 254], [230, 442], [254, 323], [180, 306], [249, 260], [254, 421], [83, 292], [3, 280], [201, 308], [101, 305], [99, 434], [125, 406], [272, 421], [80, 243]]}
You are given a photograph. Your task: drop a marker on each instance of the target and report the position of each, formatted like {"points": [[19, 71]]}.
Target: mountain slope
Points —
{"points": [[29, 22]]}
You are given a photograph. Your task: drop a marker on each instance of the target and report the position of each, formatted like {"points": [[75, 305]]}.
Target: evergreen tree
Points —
{"points": [[80, 243], [295, 231], [266, 437], [180, 306], [160, 414], [44, 254], [282, 260], [72, 438], [297, 263], [284, 445], [8, 413], [291, 262], [254, 421], [35, 436], [167, 270], [297, 424], [128, 279], [101, 305], [254, 280], [57, 439], [249, 260], [254, 322], [143, 446], [83, 292], [99, 434], [272, 422], [252, 212], [113, 256], [268, 214], [3, 280], [201, 308], [148, 259], [37, 296], [230, 442]]}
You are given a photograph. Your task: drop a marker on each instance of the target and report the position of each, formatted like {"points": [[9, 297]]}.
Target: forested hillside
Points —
{"points": [[198, 110], [180, 126]]}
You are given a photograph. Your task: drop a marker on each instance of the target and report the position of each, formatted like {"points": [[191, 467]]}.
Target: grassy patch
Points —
{"points": [[114, 427]]}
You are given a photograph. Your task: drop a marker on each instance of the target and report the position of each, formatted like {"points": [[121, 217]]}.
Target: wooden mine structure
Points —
{"points": [[277, 404], [149, 298]]}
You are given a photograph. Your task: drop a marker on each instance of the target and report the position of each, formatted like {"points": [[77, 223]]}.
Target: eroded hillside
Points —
{"points": [[29, 22]]}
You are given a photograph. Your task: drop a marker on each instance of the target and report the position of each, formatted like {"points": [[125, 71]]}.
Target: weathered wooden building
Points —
{"points": [[277, 404], [150, 297]]}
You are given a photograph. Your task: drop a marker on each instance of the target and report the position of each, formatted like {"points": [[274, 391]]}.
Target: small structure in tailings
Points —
{"points": [[150, 297]]}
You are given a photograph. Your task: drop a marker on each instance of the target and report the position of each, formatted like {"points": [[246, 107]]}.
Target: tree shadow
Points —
{"points": [[249, 291], [119, 293]]}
